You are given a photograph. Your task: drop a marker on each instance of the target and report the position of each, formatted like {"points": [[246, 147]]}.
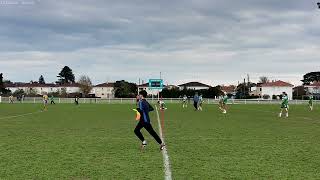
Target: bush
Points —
{"points": [[266, 96]]}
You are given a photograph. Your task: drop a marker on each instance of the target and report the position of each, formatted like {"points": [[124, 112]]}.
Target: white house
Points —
{"points": [[274, 88], [104, 90], [193, 86], [313, 88], [150, 91], [41, 89]]}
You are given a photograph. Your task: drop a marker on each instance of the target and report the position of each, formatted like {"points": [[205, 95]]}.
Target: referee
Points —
{"points": [[144, 108]]}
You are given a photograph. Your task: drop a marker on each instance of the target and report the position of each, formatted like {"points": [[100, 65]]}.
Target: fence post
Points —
{"points": [[34, 100], [121, 100], [0, 99]]}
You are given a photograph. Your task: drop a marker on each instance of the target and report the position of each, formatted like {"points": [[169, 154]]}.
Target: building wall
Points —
{"points": [[103, 92], [313, 90], [193, 87], [153, 92], [277, 91]]}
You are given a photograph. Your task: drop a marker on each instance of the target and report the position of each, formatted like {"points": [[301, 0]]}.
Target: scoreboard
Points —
{"points": [[155, 84]]}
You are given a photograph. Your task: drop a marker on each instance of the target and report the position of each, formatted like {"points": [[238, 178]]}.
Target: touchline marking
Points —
{"points": [[166, 162], [21, 115]]}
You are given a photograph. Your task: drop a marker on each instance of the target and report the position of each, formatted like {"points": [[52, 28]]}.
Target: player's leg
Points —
{"points": [[280, 114], [224, 109], [287, 112], [195, 104], [151, 131], [138, 133]]}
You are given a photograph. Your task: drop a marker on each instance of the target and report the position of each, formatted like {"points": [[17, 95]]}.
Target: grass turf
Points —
{"points": [[97, 142]]}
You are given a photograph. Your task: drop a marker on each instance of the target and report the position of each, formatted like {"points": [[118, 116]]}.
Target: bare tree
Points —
{"points": [[85, 84], [263, 79]]}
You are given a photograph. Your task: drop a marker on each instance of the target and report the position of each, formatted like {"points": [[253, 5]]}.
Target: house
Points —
{"points": [[194, 86], [40, 89], [104, 90], [271, 89], [229, 89], [313, 89], [149, 90]]}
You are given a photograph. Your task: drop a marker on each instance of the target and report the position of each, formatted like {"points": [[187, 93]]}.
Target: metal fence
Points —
{"points": [[152, 100]]}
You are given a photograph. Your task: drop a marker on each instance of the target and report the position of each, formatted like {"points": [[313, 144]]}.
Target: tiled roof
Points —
{"points": [[277, 84]]}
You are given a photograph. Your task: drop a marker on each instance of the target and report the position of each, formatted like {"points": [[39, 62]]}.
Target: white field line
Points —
{"points": [[20, 115], [166, 162]]}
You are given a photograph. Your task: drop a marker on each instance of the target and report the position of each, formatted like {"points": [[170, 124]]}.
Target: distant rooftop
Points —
{"points": [[194, 84], [277, 84]]}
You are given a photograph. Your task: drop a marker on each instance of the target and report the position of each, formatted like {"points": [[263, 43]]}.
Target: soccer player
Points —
{"points": [[200, 102], [11, 99], [223, 103], [52, 100], [311, 103], [76, 100], [45, 102], [184, 101], [284, 104], [162, 105], [144, 122], [196, 101]]}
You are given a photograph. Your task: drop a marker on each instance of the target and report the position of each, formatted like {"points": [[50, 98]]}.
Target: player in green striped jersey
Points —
{"points": [[284, 104], [223, 103], [311, 103]]}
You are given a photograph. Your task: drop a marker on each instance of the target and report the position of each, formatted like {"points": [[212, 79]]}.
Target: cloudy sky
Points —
{"points": [[212, 41]]}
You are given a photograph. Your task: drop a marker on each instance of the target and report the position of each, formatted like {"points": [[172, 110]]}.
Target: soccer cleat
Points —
{"points": [[224, 112], [144, 144], [162, 146]]}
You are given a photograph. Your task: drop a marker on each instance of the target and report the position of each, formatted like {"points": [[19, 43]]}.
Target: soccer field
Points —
{"points": [[93, 141]]}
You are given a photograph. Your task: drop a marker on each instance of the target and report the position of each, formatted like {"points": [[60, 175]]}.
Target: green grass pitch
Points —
{"points": [[97, 142]]}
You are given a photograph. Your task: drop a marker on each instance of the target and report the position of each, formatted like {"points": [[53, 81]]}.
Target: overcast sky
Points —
{"points": [[212, 41]]}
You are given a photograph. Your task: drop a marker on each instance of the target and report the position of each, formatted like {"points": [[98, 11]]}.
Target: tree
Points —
{"points": [[31, 92], [85, 84], [3, 89], [124, 89], [311, 77], [263, 79], [66, 76], [18, 93], [63, 92], [242, 91], [41, 80]]}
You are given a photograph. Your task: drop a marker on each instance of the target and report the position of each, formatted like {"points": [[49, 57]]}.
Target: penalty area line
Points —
{"points": [[166, 162], [20, 115]]}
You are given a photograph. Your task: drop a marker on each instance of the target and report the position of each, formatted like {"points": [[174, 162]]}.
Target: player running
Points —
{"points": [[52, 100], [185, 101], [223, 103], [311, 103], [11, 99], [200, 103], [284, 104], [196, 101], [45, 102], [144, 122], [162, 105], [76, 100]]}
